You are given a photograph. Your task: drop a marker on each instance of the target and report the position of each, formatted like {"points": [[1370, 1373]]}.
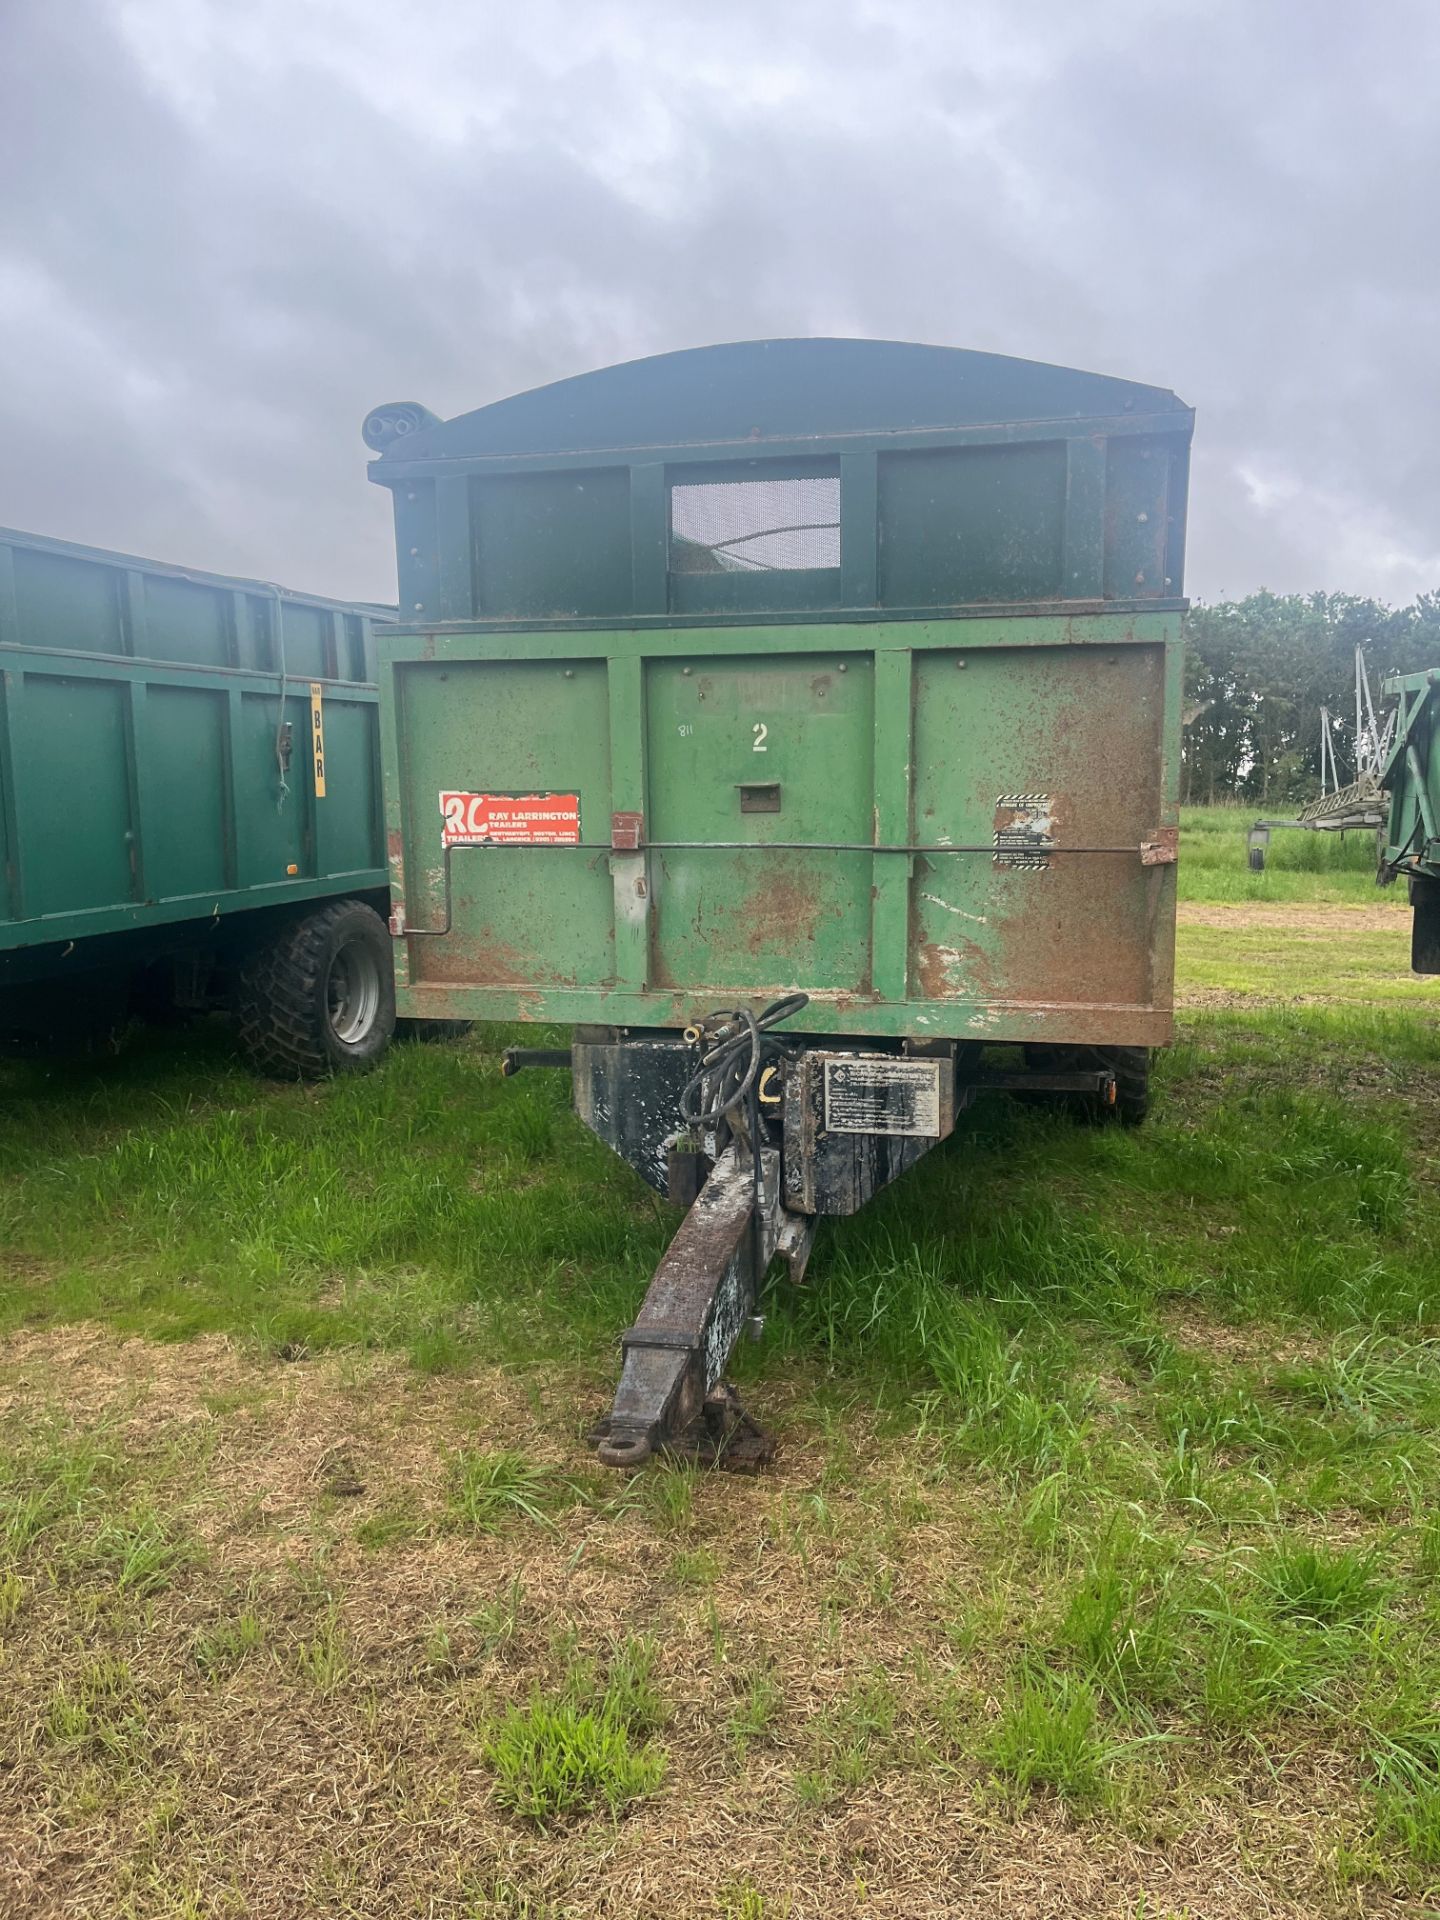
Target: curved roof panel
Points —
{"points": [[761, 390]]}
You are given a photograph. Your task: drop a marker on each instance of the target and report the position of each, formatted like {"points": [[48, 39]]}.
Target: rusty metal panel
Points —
{"points": [[1043, 752]]}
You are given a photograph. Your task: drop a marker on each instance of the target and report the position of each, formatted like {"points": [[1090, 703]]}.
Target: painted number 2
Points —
{"points": [[761, 732]]}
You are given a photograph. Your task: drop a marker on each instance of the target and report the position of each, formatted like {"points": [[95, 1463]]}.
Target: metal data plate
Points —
{"points": [[879, 1095]]}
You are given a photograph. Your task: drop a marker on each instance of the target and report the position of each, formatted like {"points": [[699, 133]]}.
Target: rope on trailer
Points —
{"points": [[284, 792], [739, 1045]]}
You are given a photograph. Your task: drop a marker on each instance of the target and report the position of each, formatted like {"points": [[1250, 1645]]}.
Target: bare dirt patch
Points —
{"points": [[1311, 918]]}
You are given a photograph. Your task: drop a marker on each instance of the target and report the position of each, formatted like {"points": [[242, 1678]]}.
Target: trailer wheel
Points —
{"points": [[1130, 1066], [1425, 928], [319, 998]]}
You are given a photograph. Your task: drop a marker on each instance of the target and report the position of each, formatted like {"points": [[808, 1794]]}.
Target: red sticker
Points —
{"points": [[510, 819]]}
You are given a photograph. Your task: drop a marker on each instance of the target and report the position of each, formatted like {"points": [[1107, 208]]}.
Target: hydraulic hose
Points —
{"points": [[738, 1046]]}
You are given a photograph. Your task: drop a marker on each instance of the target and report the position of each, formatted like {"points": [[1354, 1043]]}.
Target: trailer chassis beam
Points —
{"points": [[672, 1395]]}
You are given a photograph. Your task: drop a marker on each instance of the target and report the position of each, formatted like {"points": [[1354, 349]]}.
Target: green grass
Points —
{"points": [[1048, 1735], [551, 1761], [1368, 968], [585, 1747], [489, 1488], [174, 1194], [222, 1649], [1299, 865]]}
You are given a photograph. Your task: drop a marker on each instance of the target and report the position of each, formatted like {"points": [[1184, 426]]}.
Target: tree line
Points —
{"points": [[1257, 673]]}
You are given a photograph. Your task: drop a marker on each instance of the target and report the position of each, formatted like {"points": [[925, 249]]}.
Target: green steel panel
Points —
{"points": [[1076, 711], [272, 824], [806, 589], [993, 485], [197, 792], [1085, 478], [972, 523], [184, 758], [894, 824], [417, 545], [629, 785], [532, 917], [12, 900], [1412, 776], [9, 611], [650, 537], [78, 822], [138, 775], [55, 595], [67, 602], [349, 814], [456, 581], [720, 730], [553, 544], [859, 509], [1136, 518], [309, 646], [356, 662], [185, 621]]}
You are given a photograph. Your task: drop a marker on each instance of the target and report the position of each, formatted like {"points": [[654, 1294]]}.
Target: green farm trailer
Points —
{"points": [[797, 722], [190, 809], [1411, 775]]}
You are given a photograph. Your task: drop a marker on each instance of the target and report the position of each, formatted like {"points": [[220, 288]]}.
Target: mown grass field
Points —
{"points": [[1097, 1574]]}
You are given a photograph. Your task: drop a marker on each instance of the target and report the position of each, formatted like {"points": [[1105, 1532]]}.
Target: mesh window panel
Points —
{"points": [[755, 526]]}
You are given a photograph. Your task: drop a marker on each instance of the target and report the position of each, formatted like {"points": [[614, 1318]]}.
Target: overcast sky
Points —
{"points": [[230, 227]]}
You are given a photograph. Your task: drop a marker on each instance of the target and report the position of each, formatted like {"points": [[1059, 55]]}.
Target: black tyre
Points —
{"points": [[1130, 1066], [1425, 929], [319, 998]]}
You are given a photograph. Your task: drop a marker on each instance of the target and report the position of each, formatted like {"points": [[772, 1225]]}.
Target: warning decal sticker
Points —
{"points": [[873, 1095], [510, 819], [1024, 831]]}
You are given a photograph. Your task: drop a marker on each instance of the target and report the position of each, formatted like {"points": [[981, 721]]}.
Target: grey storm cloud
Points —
{"points": [[227, 231]]}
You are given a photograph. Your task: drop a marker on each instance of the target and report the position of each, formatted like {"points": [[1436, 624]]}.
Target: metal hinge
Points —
{"points": [[1160, 848]]}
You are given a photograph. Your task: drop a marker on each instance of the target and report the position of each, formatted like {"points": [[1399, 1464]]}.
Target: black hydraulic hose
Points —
{"points": [[1394, 867], [730, 1068]]}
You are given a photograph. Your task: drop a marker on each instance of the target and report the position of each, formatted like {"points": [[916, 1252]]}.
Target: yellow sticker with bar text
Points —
{"points": [[317, 735]]}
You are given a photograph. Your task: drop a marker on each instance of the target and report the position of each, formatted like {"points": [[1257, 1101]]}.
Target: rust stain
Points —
{"points": [[1076, 933], [952, 972], [485, 960], [784, 908], [932, 975]]}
